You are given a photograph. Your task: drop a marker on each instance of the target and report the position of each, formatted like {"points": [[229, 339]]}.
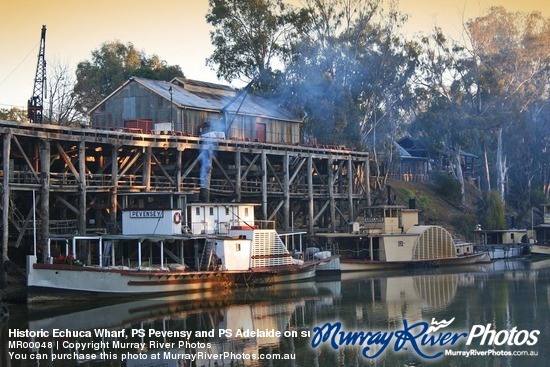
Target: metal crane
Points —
{"points": [[35, 105]]}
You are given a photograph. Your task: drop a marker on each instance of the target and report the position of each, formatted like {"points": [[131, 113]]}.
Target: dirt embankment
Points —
{"points": [[434, 208]]}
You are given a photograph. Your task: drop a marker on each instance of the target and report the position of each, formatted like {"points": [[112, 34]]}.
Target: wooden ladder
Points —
{"points": [[207, 252]]}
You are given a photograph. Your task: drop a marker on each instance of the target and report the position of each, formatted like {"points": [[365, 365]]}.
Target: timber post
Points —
{"points": [[45, 156], [264, 185], [5, 206], [114, 187], [311, 204], [350, 191], [82, 188], [286, 192], [330, 170]]}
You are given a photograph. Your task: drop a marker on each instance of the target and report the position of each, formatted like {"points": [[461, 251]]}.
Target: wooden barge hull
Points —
{"points": [[367, 265]]}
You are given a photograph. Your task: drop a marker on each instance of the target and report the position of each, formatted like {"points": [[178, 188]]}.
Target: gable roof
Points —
{"points": [[206, 96]]}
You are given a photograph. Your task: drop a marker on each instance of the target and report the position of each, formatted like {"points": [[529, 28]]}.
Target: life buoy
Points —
{"points": [[177, 217]]}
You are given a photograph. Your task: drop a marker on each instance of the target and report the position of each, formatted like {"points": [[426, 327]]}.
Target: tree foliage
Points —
{"points": [[511, 52], [60, 108], [494, 211], [110, 66], [250, 37], [13, 114]]}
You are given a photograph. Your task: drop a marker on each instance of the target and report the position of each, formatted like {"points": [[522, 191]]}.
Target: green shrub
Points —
{"points": [[494, 211], [448, 187]]}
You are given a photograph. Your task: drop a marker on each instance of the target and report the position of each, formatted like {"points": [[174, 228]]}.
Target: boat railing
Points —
{"points": [[265, 224]]}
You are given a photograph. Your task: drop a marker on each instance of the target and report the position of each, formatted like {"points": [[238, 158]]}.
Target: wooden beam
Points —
{"points": [[276, 210], [45, 156], [238, 179], [127, 165], [6, 206], [71, 208], [68, 161], [286, 192], [224, 173], [330, 170], [322, 210], [270, 166], [147, 169], [82, 187], [264, 185], [159, 164], [27, 160], [114, 185], [310, 193]]}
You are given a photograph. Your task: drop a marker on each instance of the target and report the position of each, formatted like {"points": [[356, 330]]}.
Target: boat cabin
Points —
{"points": [[218, 218], [390, 219], [486, 237]]}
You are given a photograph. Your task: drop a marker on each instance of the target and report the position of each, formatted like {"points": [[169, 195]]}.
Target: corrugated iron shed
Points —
{"points": [[210, 97]]}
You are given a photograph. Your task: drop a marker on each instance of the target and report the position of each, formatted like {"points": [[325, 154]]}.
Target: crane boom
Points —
{"points": [[35, 105]]}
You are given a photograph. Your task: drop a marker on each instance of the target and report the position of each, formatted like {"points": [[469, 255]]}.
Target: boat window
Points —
{"points": [[211, 210], [246, 212], [198, 211], [226, 211], [238, 247]]}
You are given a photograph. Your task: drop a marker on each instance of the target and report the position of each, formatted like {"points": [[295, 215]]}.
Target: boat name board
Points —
{"points": [[374, 220], [146, 214]]}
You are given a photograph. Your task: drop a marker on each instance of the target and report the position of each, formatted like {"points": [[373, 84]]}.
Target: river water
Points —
{"points": [[498, 313]]}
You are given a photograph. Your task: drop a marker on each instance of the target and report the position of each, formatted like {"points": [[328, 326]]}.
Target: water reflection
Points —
{"points": [[505, 294]]}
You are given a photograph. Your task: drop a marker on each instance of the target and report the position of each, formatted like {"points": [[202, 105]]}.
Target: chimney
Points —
{"points": [[204, 195]]}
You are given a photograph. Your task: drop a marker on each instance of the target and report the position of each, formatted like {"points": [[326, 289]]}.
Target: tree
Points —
{"points": [[446, 112], [511, 54], [60, 106], [494, 215], [349, 73], [111, 65], [13, 114], [249, 37]]}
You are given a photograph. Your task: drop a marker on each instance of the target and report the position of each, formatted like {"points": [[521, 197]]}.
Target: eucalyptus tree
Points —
{"points": [[110, 66], [349, 73], [511, 58], [251, 38], [447, 113]]}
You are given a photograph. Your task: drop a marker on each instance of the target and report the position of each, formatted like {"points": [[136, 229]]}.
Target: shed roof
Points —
{"points": [[210, 97]]}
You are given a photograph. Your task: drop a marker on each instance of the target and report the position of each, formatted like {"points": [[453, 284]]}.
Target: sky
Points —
{"points": [[175, 30]]}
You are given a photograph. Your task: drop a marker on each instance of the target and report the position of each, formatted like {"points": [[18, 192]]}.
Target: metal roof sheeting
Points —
{"points": [[206, 97]]}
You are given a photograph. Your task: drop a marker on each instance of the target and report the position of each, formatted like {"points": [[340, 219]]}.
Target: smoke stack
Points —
{"points": [[204, 195], [412, 203], [389, 194]]}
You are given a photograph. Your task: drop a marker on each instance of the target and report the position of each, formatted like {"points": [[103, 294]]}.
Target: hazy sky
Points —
{"points": [[173, 29]]}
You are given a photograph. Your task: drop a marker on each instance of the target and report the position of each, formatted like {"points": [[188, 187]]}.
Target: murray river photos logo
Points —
{"points": [[429, 341]]}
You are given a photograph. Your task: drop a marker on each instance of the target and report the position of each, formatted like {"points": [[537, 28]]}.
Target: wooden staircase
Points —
{"points": [[207, 254]]}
